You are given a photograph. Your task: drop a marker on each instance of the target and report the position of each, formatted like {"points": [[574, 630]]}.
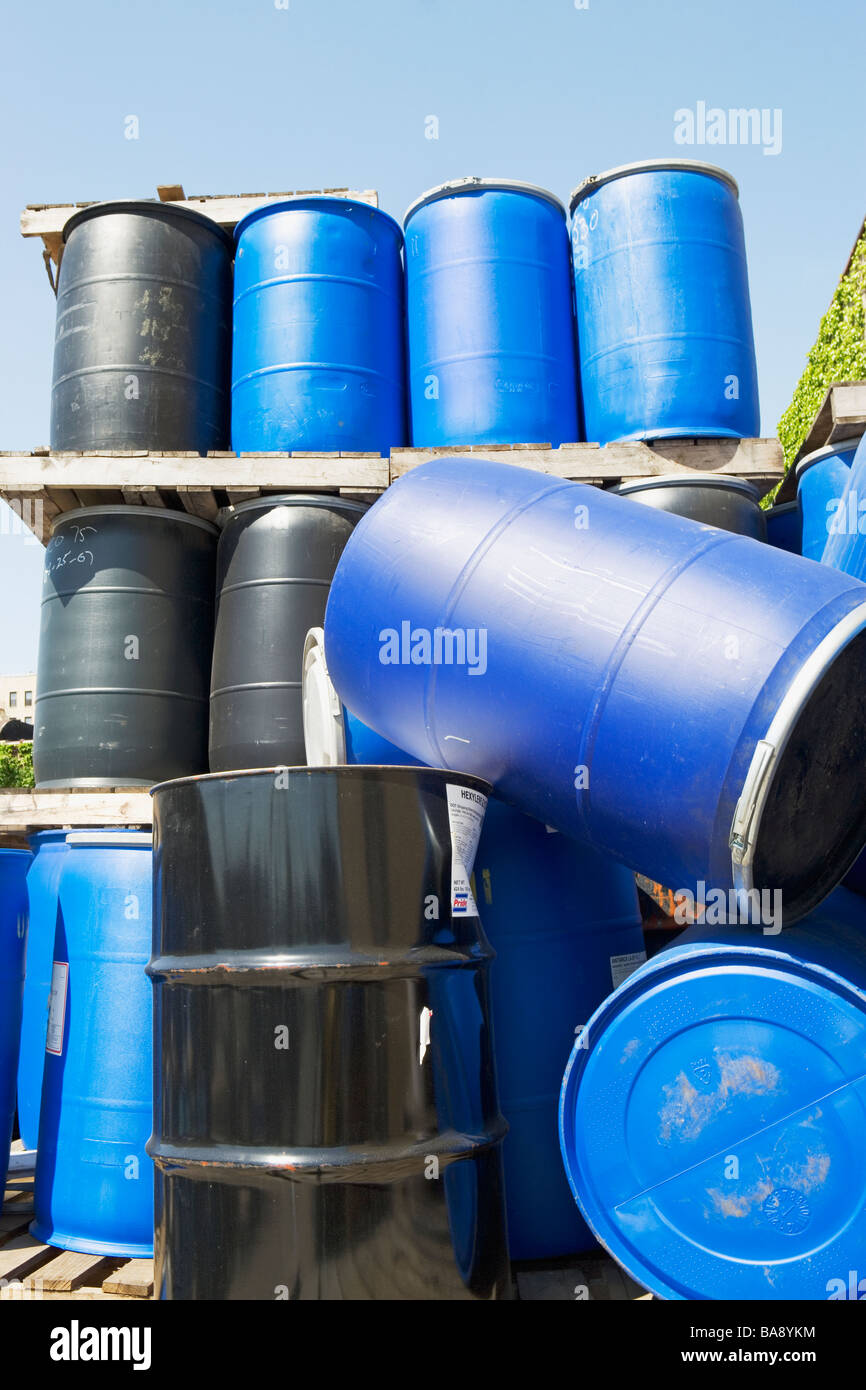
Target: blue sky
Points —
{"points": [[248, 96]]}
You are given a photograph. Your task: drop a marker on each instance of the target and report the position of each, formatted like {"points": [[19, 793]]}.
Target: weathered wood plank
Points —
{"points": [[134, 1279], [199, 501], [116, 471], [143, 497], [759, 458], [13, 1223], [23, 1255], [69, 1270], [21, 810], [841, 414], [47, 220], [589, 1279]]}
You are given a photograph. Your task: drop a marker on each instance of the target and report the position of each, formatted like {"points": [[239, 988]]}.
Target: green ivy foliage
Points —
{"points": [[16, 764], [838, 355]]}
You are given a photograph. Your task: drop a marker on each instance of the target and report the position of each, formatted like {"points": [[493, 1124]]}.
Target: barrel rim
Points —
{"points": [[827, 451], [143, 206], [316, 676], [779, 507], [296, 200], [354, 770], [649, 166], [16, 849], [671, 964], [769, 753], [119, 509], [734, 484], [473, 184], [130, 839], [288, 499]]}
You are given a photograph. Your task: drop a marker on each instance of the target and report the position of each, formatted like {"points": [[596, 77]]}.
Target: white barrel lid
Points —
{"points": [[843, 446], [324, 726], [650, 166], [473, 184], [133, 839]]}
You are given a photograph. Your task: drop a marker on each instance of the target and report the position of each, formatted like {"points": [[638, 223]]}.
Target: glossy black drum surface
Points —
{"points": [[326, 1117]]}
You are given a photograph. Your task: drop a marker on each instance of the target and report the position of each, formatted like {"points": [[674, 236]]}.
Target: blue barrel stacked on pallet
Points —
{"points": [[317, 359], [661, 292], [489, 316]]}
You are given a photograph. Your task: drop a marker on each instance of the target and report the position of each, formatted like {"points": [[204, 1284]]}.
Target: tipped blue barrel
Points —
{"points": [[565, 926], [43, 881], [846, 539], [712, 1115], [821, 481], [664, 320], [784, 527], [94, 1180], [688, 701], [14, 864], [318, 348], [490, 318]]}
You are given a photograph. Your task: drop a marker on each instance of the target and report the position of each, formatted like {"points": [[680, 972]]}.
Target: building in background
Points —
{"points": [[17, 697]]}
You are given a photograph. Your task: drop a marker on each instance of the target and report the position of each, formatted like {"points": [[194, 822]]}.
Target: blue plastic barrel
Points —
{"points": [[318, 345], [712, 1115], [664, 320], [566, 929], [846, 540], [784, 528], [43, 880], [821, 480], [490, 317], [13, 937], [94, 1181], [684, 699]]}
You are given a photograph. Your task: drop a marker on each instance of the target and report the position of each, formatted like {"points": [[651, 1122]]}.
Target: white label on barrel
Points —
{"points": [[622, 966], [57, 1008], [465, 816]]}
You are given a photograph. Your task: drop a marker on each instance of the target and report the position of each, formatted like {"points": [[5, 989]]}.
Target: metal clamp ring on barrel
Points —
{"points": [[756, 788]]}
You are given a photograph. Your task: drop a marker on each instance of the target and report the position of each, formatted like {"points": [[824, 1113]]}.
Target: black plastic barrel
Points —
{"points": [[326, 1123], [732, 504], [275, 563], [124, 648], [143, 343]]}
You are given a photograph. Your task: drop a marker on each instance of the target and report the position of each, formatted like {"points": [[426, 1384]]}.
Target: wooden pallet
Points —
{"points": [[31, 1270], [41, 485], [842, 415], [47, 220], [24, 811], [589, 1278]]}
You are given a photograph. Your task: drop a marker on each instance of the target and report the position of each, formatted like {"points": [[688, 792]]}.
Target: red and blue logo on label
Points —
{"points": [[460, 903]]}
